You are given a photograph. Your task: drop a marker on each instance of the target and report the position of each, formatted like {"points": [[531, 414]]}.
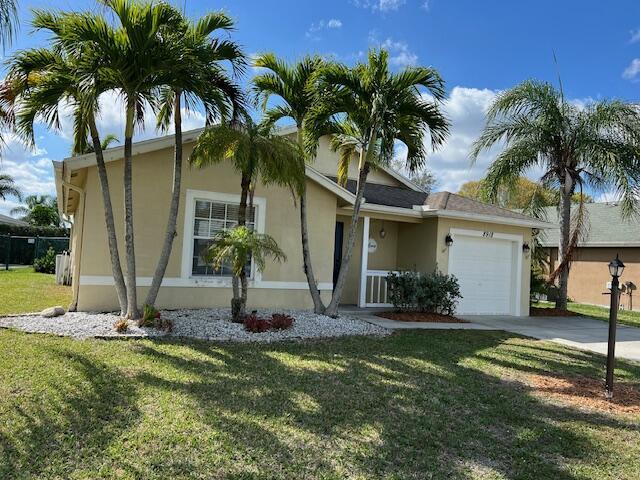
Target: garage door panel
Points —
{"points": [[484, 267]]}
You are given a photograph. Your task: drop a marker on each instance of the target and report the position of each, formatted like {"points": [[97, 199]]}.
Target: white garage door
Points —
{"points": [[485, 268]]}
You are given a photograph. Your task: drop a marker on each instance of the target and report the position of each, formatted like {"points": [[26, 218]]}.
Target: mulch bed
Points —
{"points": [[552, 312], [420, 317], [584, 392]]}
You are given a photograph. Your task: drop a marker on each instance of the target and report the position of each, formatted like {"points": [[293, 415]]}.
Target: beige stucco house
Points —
{"points": [[400, 227]]}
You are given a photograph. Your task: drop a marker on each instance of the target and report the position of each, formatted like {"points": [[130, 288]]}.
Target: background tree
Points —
{"points": [[198, 77], [423, 177], [39, 210], [297, 88], [239, 246], [257, 154], [368, 110], [595, 146], [8, 187]]}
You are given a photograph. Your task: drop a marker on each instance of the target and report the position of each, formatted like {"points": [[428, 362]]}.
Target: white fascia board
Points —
{"points": [[401, 178], [596, 245], [330, 185], [533, 223]]}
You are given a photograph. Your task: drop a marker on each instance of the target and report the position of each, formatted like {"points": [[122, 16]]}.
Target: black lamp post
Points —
{"points": [[616, 267]]}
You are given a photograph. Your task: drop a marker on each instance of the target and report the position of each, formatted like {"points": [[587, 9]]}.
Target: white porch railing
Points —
{"points": [[376, 293]]}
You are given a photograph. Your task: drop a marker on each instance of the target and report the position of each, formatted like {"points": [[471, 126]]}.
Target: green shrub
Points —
{"points": [[47, 263], [149, 316], [432, 292]]}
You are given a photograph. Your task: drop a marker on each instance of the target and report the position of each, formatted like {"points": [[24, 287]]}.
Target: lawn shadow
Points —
{"points": [[415, 405]]}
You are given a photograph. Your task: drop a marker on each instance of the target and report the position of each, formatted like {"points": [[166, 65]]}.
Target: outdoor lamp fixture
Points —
{"points": [[616, 267], [383, 232], [526, 248], [448, 240]]}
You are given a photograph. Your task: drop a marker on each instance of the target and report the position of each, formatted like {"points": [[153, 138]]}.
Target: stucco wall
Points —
{"points": [[446, 224], [417, 243], [152, 177], [589, 274]]}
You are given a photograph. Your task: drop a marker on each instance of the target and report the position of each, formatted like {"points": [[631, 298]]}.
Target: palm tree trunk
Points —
{"points": [[332, 308], [318, 306], [240, 298], [563, 250], [132, 297], [116, 267], [170, 232]]}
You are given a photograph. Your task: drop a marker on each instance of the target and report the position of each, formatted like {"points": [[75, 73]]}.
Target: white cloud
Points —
{"points": [[633, 70], [31, 171], [379, 5], [314, 30], [400, 55], [634, 36]]}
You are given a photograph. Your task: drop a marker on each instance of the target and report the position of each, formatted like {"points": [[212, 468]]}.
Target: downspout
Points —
{"points": [[75, 281]]}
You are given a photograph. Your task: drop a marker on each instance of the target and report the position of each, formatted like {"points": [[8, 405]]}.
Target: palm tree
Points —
{"points": [[240, 246], [368, 110], [8, 21], [257, 154], [104, 144], [296, 86], [198, 77], [132, 57], [595, 146], [8, 187], [40, 80], [39, 210]]}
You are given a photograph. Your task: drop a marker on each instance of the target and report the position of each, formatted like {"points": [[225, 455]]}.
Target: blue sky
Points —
{"points": [[479, 47]]}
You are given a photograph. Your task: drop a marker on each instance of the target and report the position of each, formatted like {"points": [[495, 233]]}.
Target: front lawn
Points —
{"points": [[24, 291], [416, 405], [625, 317]]}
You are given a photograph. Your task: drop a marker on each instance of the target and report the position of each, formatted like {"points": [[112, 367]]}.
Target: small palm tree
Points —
{"points": [[296, 86], [8, 187], [367, 109], [239, 246], [596, 146], [104, 144], [197, 77], [257, 154]]}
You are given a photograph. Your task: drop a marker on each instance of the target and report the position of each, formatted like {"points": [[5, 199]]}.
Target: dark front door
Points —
{"points": [[337, 251]]}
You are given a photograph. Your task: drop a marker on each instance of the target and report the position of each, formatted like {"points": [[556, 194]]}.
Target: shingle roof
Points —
{"points": [[458, 203], [605, 227], [12, 221], [404, 197]]}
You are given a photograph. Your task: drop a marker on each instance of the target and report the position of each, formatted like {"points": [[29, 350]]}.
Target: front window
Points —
{"points": [[211, 218]]}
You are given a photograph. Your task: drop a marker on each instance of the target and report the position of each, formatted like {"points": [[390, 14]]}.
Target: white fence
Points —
{"points": [[377, 294], [63, 269]]}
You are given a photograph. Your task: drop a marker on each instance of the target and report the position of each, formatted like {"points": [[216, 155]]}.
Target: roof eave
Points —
{"points": [[478, 217]]}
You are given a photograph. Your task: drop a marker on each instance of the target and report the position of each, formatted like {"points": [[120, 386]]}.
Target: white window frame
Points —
{"points": [[260, 205]]}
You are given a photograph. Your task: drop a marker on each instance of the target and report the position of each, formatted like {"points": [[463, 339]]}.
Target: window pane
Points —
{"points": [[232, 212], [251, 214], [203, 208], [217, 226], [201, 228], [218, 211]]}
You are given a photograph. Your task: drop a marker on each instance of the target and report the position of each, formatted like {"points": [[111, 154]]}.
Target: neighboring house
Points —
{"points": [[403, 228], [5, 220], [607, 236]]}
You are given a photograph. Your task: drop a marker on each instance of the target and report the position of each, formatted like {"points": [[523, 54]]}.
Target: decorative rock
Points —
{"points": [[52, 312]]}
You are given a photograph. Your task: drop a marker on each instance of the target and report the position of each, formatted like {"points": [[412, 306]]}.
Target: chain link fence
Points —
{"points": [[23, 250]]}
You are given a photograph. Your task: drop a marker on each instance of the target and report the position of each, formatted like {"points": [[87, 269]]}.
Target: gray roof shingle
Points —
{"points": [[605, 226]]}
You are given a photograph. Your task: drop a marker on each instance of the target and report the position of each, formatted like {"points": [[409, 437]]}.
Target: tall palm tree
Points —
{"points": [[371, 108], [197, 77], [133, 54], [43, 79], [296, 86], [257, 154], [8, 187], [596, 146]]}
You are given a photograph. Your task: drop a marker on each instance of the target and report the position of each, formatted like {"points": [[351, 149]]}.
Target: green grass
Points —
{"points": [[23, 291], [419, 404], [625, 317]]}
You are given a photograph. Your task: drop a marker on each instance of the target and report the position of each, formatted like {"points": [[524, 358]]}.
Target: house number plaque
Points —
{"points": [[487, 234]]}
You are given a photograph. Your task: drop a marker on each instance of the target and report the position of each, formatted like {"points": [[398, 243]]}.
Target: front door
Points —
{"points": [[337, 251]]}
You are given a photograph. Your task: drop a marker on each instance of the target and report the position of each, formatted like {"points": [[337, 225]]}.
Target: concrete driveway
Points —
{"points": [[579, 332]]}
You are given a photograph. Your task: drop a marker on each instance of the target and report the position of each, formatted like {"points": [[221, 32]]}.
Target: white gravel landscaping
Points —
{"points": [[207, 324]]}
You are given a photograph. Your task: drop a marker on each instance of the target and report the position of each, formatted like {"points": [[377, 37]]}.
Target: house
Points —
{"points": [[608, 235], [5, 220], [401, 227]]}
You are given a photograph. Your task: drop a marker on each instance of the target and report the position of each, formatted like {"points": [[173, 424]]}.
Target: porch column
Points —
{"points": [[362, 300]]}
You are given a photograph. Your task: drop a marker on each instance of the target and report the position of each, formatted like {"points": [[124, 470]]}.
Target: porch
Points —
{"points": [[384, 244]]}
